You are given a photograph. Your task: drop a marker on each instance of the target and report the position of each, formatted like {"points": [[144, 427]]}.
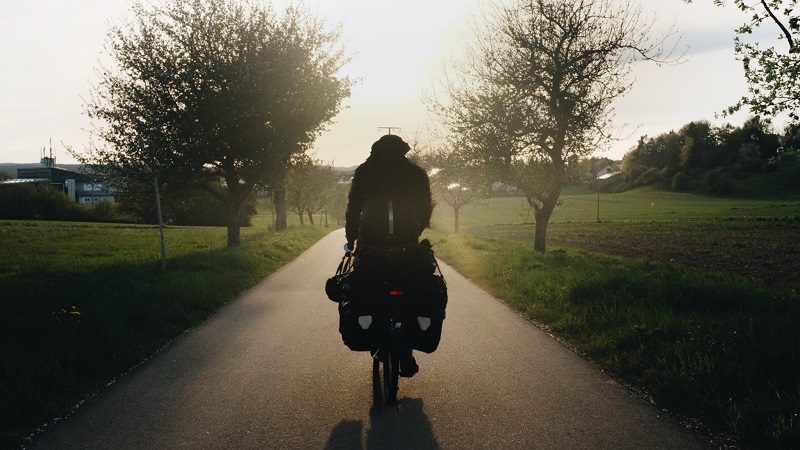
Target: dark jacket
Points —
{"points": [[389, 201]]}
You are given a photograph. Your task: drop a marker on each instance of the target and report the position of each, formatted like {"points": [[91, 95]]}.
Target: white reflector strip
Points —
{"points": [[424, 323], [391, 217], [365, 321]]}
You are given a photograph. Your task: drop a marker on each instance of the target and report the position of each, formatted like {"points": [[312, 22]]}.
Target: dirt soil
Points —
{"points": [[765, 251]]}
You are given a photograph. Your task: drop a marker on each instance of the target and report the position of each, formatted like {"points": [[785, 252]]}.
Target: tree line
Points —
{"points": [[705, 158]]}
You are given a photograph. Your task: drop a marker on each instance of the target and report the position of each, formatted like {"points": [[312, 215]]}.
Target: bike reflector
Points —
{"points": [[365, 321], [396, 292], [424, 323]]}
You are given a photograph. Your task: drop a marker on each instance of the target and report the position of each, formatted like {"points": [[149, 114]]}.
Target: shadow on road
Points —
{"points": [[404, 425]]}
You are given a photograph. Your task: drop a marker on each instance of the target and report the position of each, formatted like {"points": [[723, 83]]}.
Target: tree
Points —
{"points": [[700, 150], [536, 91], [773, 73], [310, 186], [338, 204], [217, 90], [455, 181], [661, 152]]}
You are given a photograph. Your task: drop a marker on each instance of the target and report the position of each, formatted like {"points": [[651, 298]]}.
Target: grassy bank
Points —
{"points": [[710, 346], [84, 302]]}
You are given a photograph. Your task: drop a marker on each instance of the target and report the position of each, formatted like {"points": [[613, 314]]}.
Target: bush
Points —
{"points": [[717, 182], [38, 202], [107, 212], [680, 182], [650, 176], [179, 205], [198, 207]]}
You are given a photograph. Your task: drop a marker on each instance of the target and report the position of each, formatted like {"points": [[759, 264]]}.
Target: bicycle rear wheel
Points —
{"points": [[391, 374]]}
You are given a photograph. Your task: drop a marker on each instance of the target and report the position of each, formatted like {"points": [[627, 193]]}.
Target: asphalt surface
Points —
{"points": [[269, 371]]}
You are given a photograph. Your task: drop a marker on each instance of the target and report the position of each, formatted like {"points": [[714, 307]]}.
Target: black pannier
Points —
{"points": [[425, 312], [359, 311], [358, 323], [357, 287]]}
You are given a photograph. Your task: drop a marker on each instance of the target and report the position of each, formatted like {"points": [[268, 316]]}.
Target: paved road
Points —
{"points": [[269, 371]]}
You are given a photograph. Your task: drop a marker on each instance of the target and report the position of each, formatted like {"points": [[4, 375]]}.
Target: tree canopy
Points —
{"points": [[772, 72], [228, 91]]}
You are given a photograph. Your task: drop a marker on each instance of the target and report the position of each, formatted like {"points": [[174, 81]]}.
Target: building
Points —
{"points": [[77, 186], [607, 172]]}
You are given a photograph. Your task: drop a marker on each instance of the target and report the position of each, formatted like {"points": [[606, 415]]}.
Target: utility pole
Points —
{"points": [[389, 129]]}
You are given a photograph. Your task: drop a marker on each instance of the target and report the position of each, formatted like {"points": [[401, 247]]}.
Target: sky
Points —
{"points": [[400, 50]]}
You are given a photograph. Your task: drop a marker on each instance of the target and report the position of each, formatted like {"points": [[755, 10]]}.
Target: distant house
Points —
{"points": [[77, 186], [606, 172]]}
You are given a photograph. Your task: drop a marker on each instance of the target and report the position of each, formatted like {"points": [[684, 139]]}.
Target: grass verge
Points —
{"points": [[84, 302], [709, 346]]}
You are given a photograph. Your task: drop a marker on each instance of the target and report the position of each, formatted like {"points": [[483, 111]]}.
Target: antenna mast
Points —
{"points": [[389, 129]]}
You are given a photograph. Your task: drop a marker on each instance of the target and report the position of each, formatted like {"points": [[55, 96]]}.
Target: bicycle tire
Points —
{"points": [[395, 375], [391, 368]]}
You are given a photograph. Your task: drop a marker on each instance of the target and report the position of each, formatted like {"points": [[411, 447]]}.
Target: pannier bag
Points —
{"points": [[336, 285], [357, 287], [358, 323], [424, 316]]}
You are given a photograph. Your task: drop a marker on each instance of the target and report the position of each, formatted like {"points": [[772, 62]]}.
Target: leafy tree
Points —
{"points": [[773, 73], [699, 150], [536, 91], [216, 93], [791, 138], [338, 204], [455, 180], [310, 186], [660, 152], [4, 176]]}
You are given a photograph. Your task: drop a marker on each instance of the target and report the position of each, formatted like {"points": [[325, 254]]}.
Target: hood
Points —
{"points": [[389, 146]]}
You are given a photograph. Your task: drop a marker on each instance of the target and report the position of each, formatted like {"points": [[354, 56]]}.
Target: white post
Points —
{"points": [[160, 224]]}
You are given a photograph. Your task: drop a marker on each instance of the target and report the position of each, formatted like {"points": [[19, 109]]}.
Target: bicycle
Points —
{"points": [[392, 344], [389, 321]]}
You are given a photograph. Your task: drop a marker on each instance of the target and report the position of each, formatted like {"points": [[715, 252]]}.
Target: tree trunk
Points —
{"points": [[310, 218], [160, 224], [234, 225], [455, 219], [539, 235], [300, 214], [542, 219], [279, 204]]}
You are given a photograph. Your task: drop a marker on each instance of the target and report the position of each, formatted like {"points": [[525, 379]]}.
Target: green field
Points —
{"points": [[753, 238], [640, 205], [82, 302]]}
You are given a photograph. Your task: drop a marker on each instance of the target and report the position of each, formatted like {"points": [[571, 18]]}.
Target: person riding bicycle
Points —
{"points": [[389, 204]]}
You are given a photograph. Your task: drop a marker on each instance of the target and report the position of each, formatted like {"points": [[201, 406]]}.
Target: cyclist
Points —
{"points": [[389, 205]]}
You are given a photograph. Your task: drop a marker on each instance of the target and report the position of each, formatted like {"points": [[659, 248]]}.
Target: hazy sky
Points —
{"points": [[49, 50]]}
